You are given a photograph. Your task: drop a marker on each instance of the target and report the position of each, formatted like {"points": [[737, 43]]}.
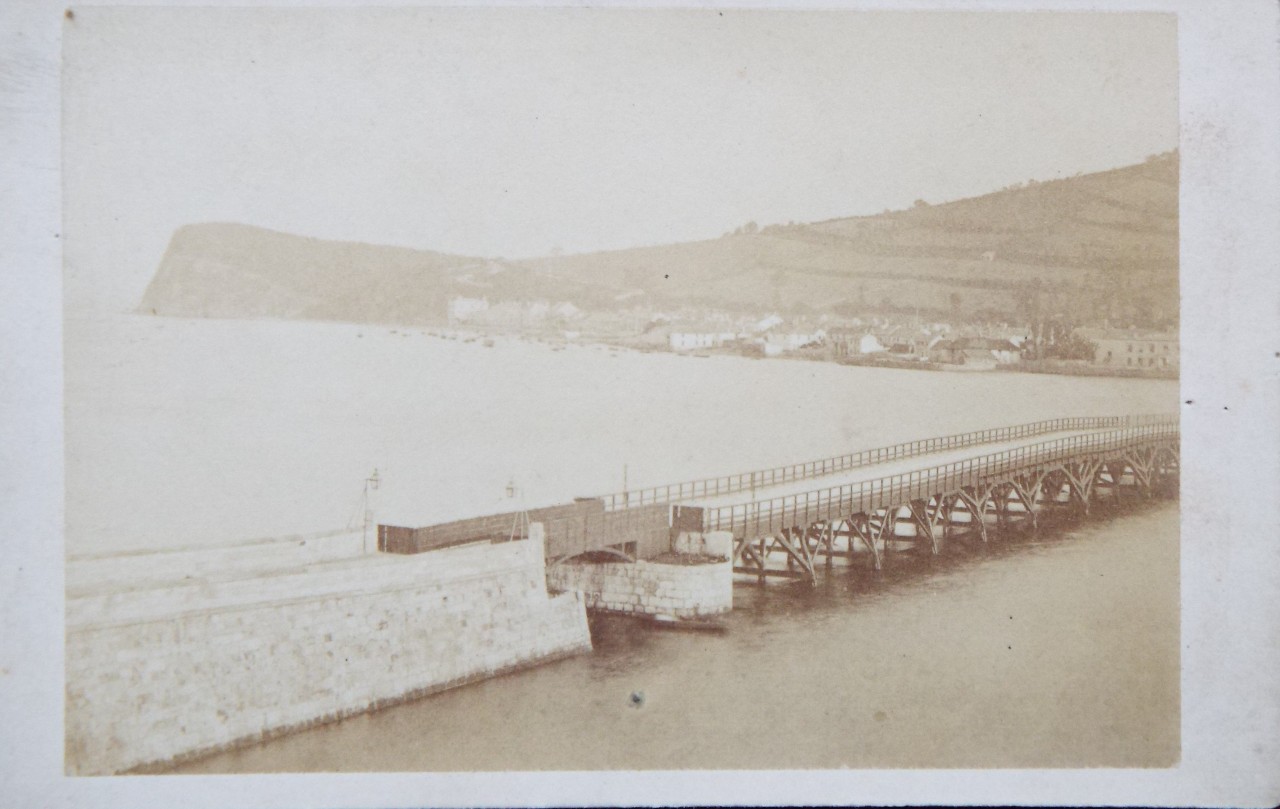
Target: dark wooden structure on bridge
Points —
{"points": [[572, 529]]}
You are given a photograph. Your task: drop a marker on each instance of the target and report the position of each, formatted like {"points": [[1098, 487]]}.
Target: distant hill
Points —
{"points": [[1086, 248], [238, 271], [1090, 247]]}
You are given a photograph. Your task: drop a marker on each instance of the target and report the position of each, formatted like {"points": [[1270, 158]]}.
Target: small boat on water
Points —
{"points": [[686, 624]]}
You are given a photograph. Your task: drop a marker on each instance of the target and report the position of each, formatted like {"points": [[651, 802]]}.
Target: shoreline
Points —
{"points": [[558, 342]]}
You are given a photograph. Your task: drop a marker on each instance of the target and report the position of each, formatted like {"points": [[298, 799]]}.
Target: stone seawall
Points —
{"points": [[648, 588], [162, 671]]}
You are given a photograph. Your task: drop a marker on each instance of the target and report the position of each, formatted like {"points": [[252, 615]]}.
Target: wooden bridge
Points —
{"points": [[912, 496], [917, 495]]}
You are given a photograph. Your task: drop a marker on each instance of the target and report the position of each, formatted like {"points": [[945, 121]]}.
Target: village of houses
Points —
{"points": [[892, 341]]}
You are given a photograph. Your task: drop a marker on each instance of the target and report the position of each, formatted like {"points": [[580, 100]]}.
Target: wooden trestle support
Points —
{"points": [[1017, 505]]}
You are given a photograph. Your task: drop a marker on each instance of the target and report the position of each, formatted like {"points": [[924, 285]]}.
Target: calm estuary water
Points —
{"points": [[1056, 651], [204, 431]]}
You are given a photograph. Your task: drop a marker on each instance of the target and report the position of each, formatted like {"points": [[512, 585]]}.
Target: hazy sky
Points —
{"points": [[510, 132]]}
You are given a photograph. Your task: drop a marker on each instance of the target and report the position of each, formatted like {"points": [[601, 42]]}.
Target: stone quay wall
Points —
{"points": [[712, 543], [162, 671], [648, 588]]}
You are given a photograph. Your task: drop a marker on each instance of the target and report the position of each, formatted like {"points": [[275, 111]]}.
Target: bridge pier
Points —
{"points": [[1111, 476], [965, 503], [857, 528], [923, 521], [1027, 492], [698, 583]]}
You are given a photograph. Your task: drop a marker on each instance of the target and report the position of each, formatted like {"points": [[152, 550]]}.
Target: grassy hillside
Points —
{"points": [[1086, 248], [231, 270]]}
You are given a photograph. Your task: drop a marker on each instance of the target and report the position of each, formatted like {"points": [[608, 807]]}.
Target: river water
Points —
{"points": [[1058, 650], [193, 432]]}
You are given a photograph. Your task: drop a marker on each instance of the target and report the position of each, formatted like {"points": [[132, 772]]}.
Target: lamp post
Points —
{"points": [[370, 485], [520, 524]]}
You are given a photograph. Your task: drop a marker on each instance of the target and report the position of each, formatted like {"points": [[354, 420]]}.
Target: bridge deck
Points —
{"points": [[875, 471]]}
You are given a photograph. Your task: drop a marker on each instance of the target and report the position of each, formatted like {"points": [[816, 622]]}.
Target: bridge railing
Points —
{"points": [[764, 478], [865, 497]]}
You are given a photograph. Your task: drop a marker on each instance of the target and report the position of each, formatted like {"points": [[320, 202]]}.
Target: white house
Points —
{"points": [[768, 323], [462, 309], [566, 311], [537, 311], [688, 341], [870, 344], [776, 343]]}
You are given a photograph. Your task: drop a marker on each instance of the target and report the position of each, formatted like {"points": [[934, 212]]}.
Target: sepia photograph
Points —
{"points": [[465, 404], [500, 389]]}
